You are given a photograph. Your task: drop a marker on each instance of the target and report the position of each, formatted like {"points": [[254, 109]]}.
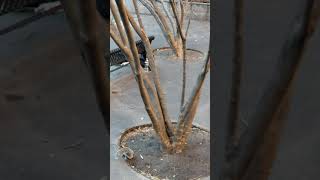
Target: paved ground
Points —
{"points": [[46, 105]]}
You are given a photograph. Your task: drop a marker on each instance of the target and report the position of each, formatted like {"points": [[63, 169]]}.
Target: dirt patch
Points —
{"points": [[168, 54], [151, 161]]}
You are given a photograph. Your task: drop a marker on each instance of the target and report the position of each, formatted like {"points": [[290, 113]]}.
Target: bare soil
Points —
{"points": [[153, 162], [168, 54]]}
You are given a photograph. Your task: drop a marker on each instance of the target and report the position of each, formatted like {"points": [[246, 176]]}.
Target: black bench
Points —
{"points": [[7, 6], [117, 57]]}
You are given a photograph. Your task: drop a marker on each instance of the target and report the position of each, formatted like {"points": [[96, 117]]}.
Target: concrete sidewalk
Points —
{"points": [[50, 125]]}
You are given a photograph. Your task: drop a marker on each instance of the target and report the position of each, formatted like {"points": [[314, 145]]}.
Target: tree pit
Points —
{"points": [[150, 160], [192, 55]]}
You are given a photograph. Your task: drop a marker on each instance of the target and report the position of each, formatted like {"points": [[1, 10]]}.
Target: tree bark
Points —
{"points": [[87, 30], [156, 78], [188, 111], [159, 126]]}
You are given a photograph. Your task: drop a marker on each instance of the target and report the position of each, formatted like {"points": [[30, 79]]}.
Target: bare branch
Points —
{"points": [[124, 49], [165, 31], [169, 17], [184, 75], [118, 22], [154, 70], [164, 21], [136, 7], [188, 111], [187, 30], [182, 35], [158, 125], [174, 9], [182, 13]]}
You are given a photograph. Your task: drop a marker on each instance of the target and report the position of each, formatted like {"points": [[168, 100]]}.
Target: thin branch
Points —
{"points": [[118, 22], [169, 17], [182, 35], [184, 75], [147, 80], [164, 21], [188, 26], [120, 44], [188, 112], [174, 9], [182, 14], [136, 7]]}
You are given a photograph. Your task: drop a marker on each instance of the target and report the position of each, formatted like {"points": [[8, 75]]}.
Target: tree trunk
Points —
{"points": [[87, 30]]}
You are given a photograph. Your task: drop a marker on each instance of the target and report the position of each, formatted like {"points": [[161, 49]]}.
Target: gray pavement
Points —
{"points": [[50, 126]]}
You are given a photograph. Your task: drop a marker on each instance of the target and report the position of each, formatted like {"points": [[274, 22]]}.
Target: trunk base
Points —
{"points": [[152, 161], [166, 53]]}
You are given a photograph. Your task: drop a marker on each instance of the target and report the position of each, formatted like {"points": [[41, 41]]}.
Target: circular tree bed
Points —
{"points": [[167, 53], [151, 161]]}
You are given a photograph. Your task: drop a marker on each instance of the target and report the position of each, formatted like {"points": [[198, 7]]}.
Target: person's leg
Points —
{"points": [[142, 60]]}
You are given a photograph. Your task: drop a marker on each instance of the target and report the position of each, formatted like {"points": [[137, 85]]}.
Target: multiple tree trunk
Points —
{"points": [[172, 137]]}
